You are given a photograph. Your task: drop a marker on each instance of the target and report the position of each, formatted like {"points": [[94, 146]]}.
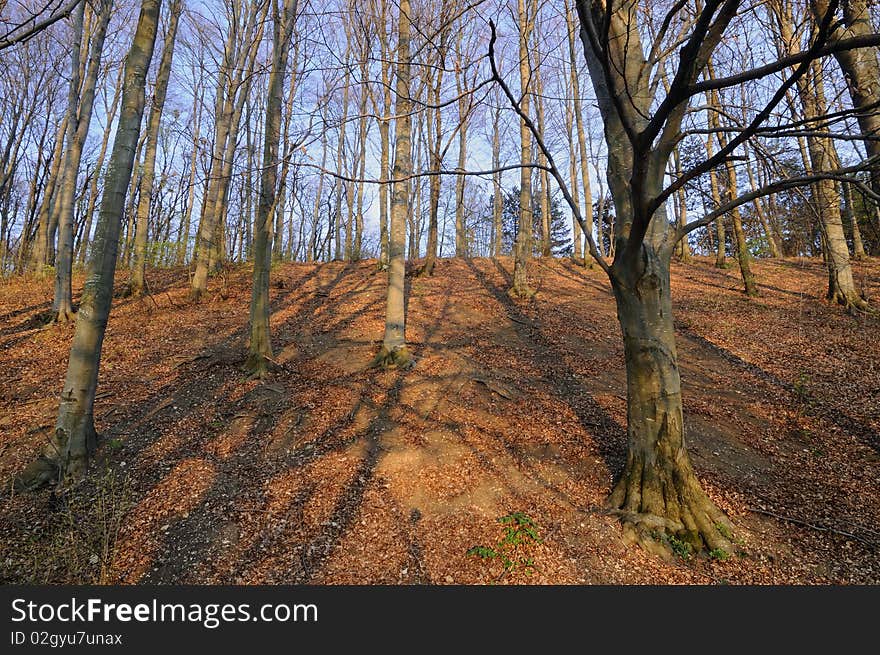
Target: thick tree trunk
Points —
{"points": [[658, 494], [394, 352], [862, 72], [75, 435], [138, 286]]}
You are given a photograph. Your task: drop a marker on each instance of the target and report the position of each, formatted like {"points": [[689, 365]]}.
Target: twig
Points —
{"points": [[820, 528]]}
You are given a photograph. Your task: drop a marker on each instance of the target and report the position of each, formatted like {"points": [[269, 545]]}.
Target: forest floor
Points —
{"points": [[330, 473]]}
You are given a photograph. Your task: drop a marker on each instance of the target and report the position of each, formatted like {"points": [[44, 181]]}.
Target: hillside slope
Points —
{"points": [[329, 473]]}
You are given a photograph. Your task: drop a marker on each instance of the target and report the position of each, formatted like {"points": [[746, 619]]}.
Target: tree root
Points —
{"points": [[399, 358], [667, 513], [64, 316], [258, 366], [57, 462], [521, 292], [39, 473]]}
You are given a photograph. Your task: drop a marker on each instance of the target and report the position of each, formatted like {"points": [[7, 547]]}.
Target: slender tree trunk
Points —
{"points": [[138, 284], [240, 55], [434, 124], [587, 210], [394, 352], [858, 244], [546, 241], [340, 158], [183, 234], [523, 246], [260, 349], [721, 252], [772, 243], [498, 194], [80, 104], [75, 435], [577, 231], [40, 257], [384, 136]]}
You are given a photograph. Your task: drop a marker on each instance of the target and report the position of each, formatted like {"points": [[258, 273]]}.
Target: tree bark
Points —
{"points": [[80, 105], [658, 492], [498, 191], [394, 352], [138, 285], [75, 436], [523, 245], [260, 348], [40, 257]]}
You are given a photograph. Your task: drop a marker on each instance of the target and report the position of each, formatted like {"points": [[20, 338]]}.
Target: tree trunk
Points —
{"points": [[394, 352], [523, 245], [40, 257], [862, 71], [498, 192], [546, 241], [658, 493], [75, 435], [240, 54], [858, 244], [260, 349], [772, 243], [138, 285], [80, 105]]}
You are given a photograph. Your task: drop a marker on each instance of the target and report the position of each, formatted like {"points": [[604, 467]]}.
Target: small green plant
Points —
{"points": [[681, 548], [801, 389], [520, 532], [719, 553]]}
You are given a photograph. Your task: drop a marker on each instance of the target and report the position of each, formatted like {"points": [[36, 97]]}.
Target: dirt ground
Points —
{"points": [[328, 473]]}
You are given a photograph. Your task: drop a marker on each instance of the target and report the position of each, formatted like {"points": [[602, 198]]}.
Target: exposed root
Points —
{"points": [[395, 358], [522, 292], [64, 316], [666, 512], [258, 366], [58, 462], [39, 473]]}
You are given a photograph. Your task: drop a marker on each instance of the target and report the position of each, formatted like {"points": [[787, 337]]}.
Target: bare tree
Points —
{"points": [[75, 436]]}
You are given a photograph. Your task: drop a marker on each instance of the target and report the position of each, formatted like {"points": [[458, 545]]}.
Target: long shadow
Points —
{"points": [[609, 435], [321, 546], [186, 541], [814, 406]]}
